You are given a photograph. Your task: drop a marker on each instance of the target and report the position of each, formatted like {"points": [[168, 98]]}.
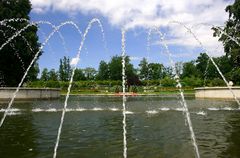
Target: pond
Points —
{"points": [[93, 128]]}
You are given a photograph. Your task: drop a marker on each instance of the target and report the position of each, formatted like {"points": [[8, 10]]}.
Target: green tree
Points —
{"points": [[202, 64], [65, 69], [131, 74], [232, 28], [44, 76], [103, 71], [52, 75], [33, 72], [79, 75], [235, 76], [224, 64], [16, 56], [156, 71], [143, 65], [189, 70], [90, 73], [115, 68]]}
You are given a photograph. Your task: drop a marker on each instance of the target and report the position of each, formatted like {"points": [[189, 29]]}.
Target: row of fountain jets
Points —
{"points": [[56, 29]]}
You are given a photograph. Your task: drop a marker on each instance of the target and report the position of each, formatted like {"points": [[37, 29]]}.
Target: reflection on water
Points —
{"points": [[233, 139], [93, 128], [18, 137]]}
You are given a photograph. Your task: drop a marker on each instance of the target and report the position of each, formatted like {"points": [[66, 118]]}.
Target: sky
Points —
{"points": [[136, 17]]}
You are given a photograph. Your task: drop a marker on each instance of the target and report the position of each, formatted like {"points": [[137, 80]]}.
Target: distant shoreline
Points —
{"points": [[136, 95]]}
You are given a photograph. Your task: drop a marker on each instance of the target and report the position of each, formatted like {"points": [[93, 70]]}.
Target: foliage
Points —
{"points": [[52, 75], [103, 71], [143, 65], [202, 63], [232, 28], [193, 74], [44, 76], [90, 73], [192, 81], [168, 82], [79, 75], [115, 68], [155, 71], [189, 70], [216, 82], [64, 69], [235, 76], [16, 56]]}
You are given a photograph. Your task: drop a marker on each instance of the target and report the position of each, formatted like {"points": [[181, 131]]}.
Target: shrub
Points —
{"points": [[192, 82], [53, 84], [168, 82], [217, 82]]}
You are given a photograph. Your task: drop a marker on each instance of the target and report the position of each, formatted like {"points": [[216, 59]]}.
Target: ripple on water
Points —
{"points": [[164, 109], [129, 112], [11, 110], [97, 109], [14, 113], [224, 109], [114, 109], [52, 110], [213, 109], [179, 109], [152, 112], [201, 113], [37, 110]]}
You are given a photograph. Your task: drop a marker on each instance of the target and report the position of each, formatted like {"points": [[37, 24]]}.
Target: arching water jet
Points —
{"points": [[32, 62], [71, 80], [179, 86], [211, 59]]}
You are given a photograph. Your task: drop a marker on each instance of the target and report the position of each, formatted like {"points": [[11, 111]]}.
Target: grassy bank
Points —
{"points": [[111, 88], [91, 92]]}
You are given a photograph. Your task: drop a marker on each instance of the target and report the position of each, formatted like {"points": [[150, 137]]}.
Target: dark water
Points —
{"points": [[93, 128]]}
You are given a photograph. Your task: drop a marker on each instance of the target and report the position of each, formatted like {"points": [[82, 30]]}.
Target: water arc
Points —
{"points": [[179, 86], [211, 59], [95, 20], [32, 62]]}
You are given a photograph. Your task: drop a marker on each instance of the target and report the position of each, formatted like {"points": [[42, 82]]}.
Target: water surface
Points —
{"points": [[93, 128]]}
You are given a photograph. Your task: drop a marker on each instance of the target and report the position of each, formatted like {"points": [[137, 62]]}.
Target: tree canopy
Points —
{"points": [[65, 69], [231, 47], [16, 56], [103, 71], [232, 28]]}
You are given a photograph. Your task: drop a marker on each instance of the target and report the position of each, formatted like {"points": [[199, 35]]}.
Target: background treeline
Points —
{"points": [[146, 77], [16, 57]]}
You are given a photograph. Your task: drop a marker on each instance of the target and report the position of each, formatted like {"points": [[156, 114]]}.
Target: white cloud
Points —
{"points": [[145, 13]]}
